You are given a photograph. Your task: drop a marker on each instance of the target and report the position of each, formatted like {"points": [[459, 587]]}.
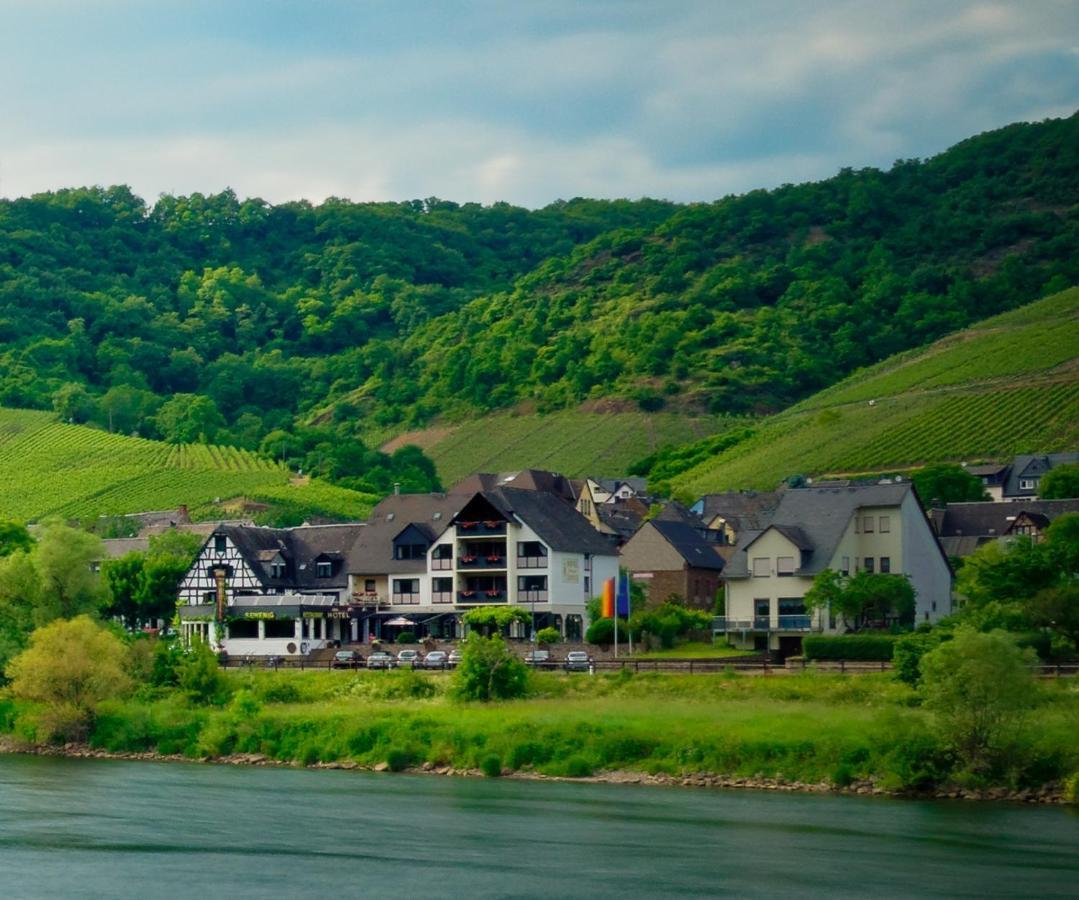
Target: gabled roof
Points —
{"points": [[623, 519], [555, 522], [373, 551], [1034, 466], [991, 520], [299, 547], [525, 480], [817, 517], [742, 510], [692, 546]]}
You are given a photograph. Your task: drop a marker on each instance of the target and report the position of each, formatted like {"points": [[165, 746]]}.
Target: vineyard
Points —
{"points": [[573, 442], [1010, 385], [50, 468]]}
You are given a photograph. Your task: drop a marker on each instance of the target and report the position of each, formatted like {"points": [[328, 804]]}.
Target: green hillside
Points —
{"points": [[573, 442], [51, 468], [1008, 385]]}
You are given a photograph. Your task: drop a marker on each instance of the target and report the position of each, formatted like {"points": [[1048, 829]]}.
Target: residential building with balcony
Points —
{"points": [[426, 559], [871, 527]]}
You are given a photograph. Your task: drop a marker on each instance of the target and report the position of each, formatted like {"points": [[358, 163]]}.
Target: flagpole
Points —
{"points": [[616, 621]]}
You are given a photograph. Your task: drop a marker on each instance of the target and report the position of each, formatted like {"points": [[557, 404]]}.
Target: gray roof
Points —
{"points": [[525, 480], [992, 520], [372, 553], [742, 510], [621, 518], [300, 548], [697, 551], [1033, 466], [557, 523], [815, 519], [117, 547]]}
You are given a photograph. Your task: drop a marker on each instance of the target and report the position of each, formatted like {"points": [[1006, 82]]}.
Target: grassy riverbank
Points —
{"points": [[809, 728]]}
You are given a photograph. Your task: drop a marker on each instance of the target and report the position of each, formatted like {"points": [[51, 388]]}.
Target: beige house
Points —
{"points": [[874, 528]]}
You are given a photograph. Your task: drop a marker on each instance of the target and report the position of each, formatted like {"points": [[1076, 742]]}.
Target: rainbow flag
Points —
{"points": [[606, 607]]}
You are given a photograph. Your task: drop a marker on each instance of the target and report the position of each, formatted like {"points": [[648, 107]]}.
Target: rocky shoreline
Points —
{"points": [[1047, 794]]}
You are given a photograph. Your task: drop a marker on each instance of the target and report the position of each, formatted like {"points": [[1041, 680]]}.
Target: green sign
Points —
{"points": [[259, 615]]}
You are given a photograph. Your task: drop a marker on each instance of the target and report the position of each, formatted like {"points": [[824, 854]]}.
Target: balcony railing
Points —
{"points": [[529, 597], [482, 561], [724, 624], [442, 597], [405, 599], [441, 564], [470, 528], [531, 562], [481, 596]]}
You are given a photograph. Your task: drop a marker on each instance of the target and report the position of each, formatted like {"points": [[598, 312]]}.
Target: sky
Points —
{"points": [[525, 101]]}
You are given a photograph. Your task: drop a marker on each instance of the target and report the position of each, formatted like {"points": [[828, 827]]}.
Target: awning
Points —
{"points": [[400, 620]]}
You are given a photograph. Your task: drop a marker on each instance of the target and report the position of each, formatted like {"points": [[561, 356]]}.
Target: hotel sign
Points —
{"points": [[570, 570]]}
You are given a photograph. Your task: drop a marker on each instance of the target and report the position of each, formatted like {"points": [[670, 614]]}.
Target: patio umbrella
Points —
{"points": [[400, 620]]}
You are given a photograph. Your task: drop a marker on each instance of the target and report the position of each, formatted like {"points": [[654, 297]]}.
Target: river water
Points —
{"points": [[104, 828]]}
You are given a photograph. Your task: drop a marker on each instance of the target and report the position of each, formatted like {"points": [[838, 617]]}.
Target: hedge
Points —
{"points": [[849, 646]]}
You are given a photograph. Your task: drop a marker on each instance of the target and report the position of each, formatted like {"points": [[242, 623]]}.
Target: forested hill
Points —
{"points": [[296, 325]]}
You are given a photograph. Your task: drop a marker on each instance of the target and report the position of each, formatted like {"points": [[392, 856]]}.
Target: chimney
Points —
{"points": [[396, 488]]}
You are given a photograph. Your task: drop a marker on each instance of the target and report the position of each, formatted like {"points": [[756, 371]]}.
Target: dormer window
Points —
{"points": [[221, 543], [1028, 484], [410, 551], [324, 569], [277, 570]]}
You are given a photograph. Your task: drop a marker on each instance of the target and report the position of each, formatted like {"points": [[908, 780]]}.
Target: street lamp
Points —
{"points": [[532, 599]]}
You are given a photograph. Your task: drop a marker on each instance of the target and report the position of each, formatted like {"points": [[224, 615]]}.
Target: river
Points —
{"points": [[104, 828]]}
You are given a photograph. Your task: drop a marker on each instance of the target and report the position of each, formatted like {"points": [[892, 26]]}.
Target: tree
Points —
{"points": [[189, 419], [496, 618], [488, 671], [1061, 483], [123, 578], [14, 536], [863, 597], [978, 685], [947, 483], [70, 667]]}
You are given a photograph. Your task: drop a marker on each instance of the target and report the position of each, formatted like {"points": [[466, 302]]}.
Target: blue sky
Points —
{"points": [[526, 101]]}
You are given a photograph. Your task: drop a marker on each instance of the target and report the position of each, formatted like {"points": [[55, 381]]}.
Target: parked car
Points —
{"points": [[454, 658], [538, 657], [408, 658], [347, 659], [381, 660], [577, 661], [436, 659]]}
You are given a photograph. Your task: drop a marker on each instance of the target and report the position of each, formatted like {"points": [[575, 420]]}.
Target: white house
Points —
{"points": [[851, 528]]}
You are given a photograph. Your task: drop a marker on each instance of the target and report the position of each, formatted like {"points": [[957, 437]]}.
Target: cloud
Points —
{"points": [[524, 102]]}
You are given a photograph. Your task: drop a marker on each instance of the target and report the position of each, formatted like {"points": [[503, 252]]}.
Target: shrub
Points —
{"points": [[1071, 789], [978, 685], [850, 646], [406, 637], [398, 760], [199, 676], [548, 635], [600, 632], [909, 650], [488, 671], [578, 767], [70, 667], [491, 765]]}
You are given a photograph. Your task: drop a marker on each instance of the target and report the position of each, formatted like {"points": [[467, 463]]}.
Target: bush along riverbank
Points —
{"points": [[871, 734]]}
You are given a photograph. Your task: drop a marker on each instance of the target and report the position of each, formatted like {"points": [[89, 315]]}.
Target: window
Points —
{"points": [[531, 588], [1028, 484], [369, 585], [886, 564], [442, 557], [885, 524], [869, 564], [243, 628], [277, 570], [406, 590], [409, 551], [586, 507], [221, 543], [587, 586], [761, 566], [867, 525], [441, 590], [846, 566], [531, 555], [324, 569], [785, 565]]}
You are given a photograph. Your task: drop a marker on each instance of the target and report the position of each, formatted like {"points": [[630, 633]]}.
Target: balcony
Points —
{"points": [[725, 624], [531, 562], [494, 595], [482, 561], [405, 599], [480, 528], [442, 597], [441, 564]]}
